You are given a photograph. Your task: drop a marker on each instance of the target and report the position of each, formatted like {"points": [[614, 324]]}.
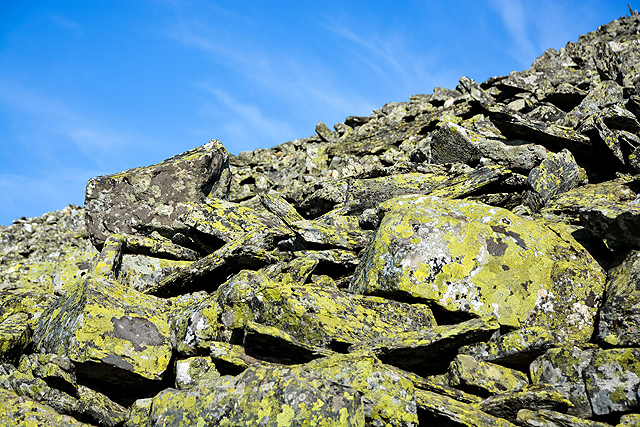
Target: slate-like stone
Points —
{"points": [[320, 317], [189, 371], [454, 144], [442, 410], [555, 175], [428, 351], [484, 378], [516, 348], [619, 317], [472, 258], [609, 209], [563, 368], [612, 380], [136, 200], [548, 418], [22, 411], [533, 397], [262, 394]]}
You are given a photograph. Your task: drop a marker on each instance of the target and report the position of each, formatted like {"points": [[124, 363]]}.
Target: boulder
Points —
{"points": [[473, 259], [114, 335], [137, 200], [270, 395]]}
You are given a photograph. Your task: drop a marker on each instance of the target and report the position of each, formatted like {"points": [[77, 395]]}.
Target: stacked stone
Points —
{"points": [[468, 257]]}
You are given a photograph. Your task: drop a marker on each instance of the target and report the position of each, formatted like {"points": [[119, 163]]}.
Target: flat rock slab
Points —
{"points": [[388, 398], [619, 318], [428, 351], [476, 259], [114, 335], [320, 317], [610, 209], [136, 200], [261, 395]]}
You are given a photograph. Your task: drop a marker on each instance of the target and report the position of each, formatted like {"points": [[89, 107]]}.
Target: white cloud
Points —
{"points": [[518, 23]]}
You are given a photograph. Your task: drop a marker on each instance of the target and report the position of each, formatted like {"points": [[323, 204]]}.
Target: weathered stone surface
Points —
{"points": [[555, 175], [454, 144], [471, 258], [563, 368], [612, 380], [517, 348], [484, 378], [319, 317], [427, 351], [114, 335], [548, 418], [442, 410], [609, 209], [533, 397], [137, 200], [22, 411], [262, 394], [388, 398], [619, 317], [190, 371]]}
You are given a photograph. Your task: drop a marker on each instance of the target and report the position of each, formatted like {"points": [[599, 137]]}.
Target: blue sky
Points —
{"points": [[91, 88]]}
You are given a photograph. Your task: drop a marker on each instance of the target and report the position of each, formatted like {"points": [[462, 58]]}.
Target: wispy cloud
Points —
{"points": [[518, 24], [247, 122], [66, 22], [58, 127]]}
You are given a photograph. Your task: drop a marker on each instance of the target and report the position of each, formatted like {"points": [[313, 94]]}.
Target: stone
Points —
{"points": [[609, 209], [563, 368], [23, 411], [619, 317], [189, 371], [427, 351], [612, 380], [114, 335], [388, 398], [548, 418], [269, 395], [555, 175], [467, 258], [533, 397], [442, 410], [484, 378], [137, 200], [319, 317]]}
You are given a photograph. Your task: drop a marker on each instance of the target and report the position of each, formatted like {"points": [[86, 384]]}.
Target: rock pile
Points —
{"points": [[470, 257]]}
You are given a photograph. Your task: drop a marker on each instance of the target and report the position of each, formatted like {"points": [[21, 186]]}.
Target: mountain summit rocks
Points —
{"points": [[467, 258]]}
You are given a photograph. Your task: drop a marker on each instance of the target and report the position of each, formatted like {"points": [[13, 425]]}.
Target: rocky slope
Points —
{"points": [[469, 257]]}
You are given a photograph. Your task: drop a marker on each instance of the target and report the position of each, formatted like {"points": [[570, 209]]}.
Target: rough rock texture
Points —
{"points": [[466, 258]]}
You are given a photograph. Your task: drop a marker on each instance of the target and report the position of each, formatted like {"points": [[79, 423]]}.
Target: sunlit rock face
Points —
{"points": [[468, 257]]}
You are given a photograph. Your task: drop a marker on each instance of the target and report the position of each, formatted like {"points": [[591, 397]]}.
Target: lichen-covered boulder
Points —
{"points": [[427, 351], [619, 317], [320, 317], [22, 411], [516, 348], [548, 418], [608, 209], [563, 368], [388, 398], [612, 380], [114, 335], [555, 175], [443, 410], [137, 200], [142, 272], [468, 257], [535, 396], [262, 395], [484, 378]]}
